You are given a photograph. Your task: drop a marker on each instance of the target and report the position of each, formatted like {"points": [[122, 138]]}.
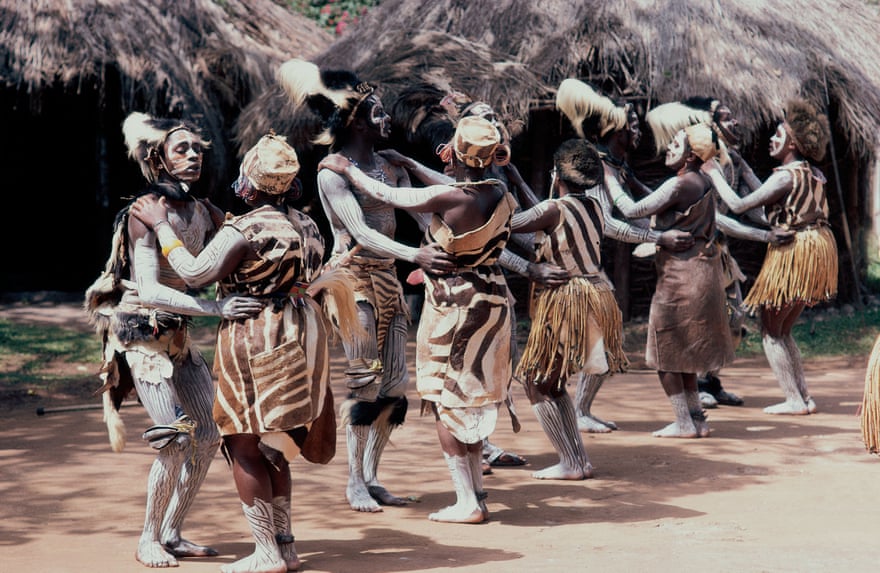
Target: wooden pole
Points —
{"points": [[43, 411], [844, 223]]}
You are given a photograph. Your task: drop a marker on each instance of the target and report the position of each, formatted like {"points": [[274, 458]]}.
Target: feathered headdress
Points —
{"points": [[578, 101], [334, 95], [669, 118], [808, 128], [145, 136]]}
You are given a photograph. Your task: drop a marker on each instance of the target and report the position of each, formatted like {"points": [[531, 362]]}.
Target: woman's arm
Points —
{"points": [[658, 201], [222, 255], [774, 189], [524, 194], [431, 199], [421, 172], [738, 230], [541, 217], [154, 293]]}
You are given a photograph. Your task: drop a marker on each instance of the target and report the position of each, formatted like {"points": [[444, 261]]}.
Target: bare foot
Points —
{"points": [[384, 497], [153, 554], [788, 408], [460, 514], [811, 406], [591, 425], [184, 548], [702, 427], [674, 430], [258, 562], [359, 497], [564, 472]]}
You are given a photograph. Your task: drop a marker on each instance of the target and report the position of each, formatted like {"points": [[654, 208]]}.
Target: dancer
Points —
{"points": [[803, 272], [273, 368], [356, 121], [140, 308], [463, 346], [616, 131], [577, 327], [504, 170], [687, 324], [665, 121]]}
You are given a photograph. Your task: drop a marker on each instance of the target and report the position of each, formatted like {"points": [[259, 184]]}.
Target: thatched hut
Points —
{"points": [[753, 55], [70, 73], [434, 59]]}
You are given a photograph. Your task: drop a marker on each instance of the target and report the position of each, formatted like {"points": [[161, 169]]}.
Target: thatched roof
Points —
{"points": [[193, 57], [752, 54], [434, 58]]}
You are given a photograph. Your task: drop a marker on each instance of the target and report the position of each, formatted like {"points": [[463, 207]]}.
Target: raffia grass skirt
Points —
{"points": [[566, 322], [804, 270], [870, 411]]}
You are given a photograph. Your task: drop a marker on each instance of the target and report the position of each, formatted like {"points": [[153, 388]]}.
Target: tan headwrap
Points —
{"points": [[474, 143], [705, 143], [271, 165]]}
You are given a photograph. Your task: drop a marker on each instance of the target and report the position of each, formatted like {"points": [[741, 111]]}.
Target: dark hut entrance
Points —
{"points": [[56, 153]]}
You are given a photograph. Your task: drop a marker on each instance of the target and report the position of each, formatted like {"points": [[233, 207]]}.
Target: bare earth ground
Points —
{"points": [[764, 493]]}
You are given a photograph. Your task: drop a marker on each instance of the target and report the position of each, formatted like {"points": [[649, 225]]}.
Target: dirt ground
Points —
{"points": [[762, 494]]}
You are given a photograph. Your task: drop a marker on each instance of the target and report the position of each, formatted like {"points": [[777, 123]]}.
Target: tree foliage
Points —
{"points": [[334, 15]]}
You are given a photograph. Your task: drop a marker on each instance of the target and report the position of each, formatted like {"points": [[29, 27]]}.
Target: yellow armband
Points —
{"points": [[167, 250]]}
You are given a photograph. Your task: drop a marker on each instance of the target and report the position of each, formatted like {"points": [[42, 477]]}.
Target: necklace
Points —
{"points": [[374, 171]]}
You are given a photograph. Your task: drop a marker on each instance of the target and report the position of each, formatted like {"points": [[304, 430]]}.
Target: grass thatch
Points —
{"points": [[193, 57], [753, 55], [434, 58]]}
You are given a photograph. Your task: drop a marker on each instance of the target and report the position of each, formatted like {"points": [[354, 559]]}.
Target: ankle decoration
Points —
{"points": [[283, 538], [698, 415]]}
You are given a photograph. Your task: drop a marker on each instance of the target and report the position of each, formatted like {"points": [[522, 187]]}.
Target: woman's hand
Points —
{"points": [[397, 158], [336, 163], [711, 166], [548, 274], [150, 209], [435, 260]]}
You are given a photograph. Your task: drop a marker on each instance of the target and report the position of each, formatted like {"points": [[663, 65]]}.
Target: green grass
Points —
{"points": [[44, 356], [823, 334], [36, 356], [26, 350]]}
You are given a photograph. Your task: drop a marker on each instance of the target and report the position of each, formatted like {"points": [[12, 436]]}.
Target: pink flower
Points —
{"points": [[340, 27]]}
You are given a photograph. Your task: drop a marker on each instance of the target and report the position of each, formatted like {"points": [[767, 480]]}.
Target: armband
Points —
{"points": [[514, 262], [166, 250]]}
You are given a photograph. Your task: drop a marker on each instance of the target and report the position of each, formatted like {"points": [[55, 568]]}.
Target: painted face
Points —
{"points": [[677, 150], [779, 142], [183, 155], [378, 117], [633, 129], [728, 125]]}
